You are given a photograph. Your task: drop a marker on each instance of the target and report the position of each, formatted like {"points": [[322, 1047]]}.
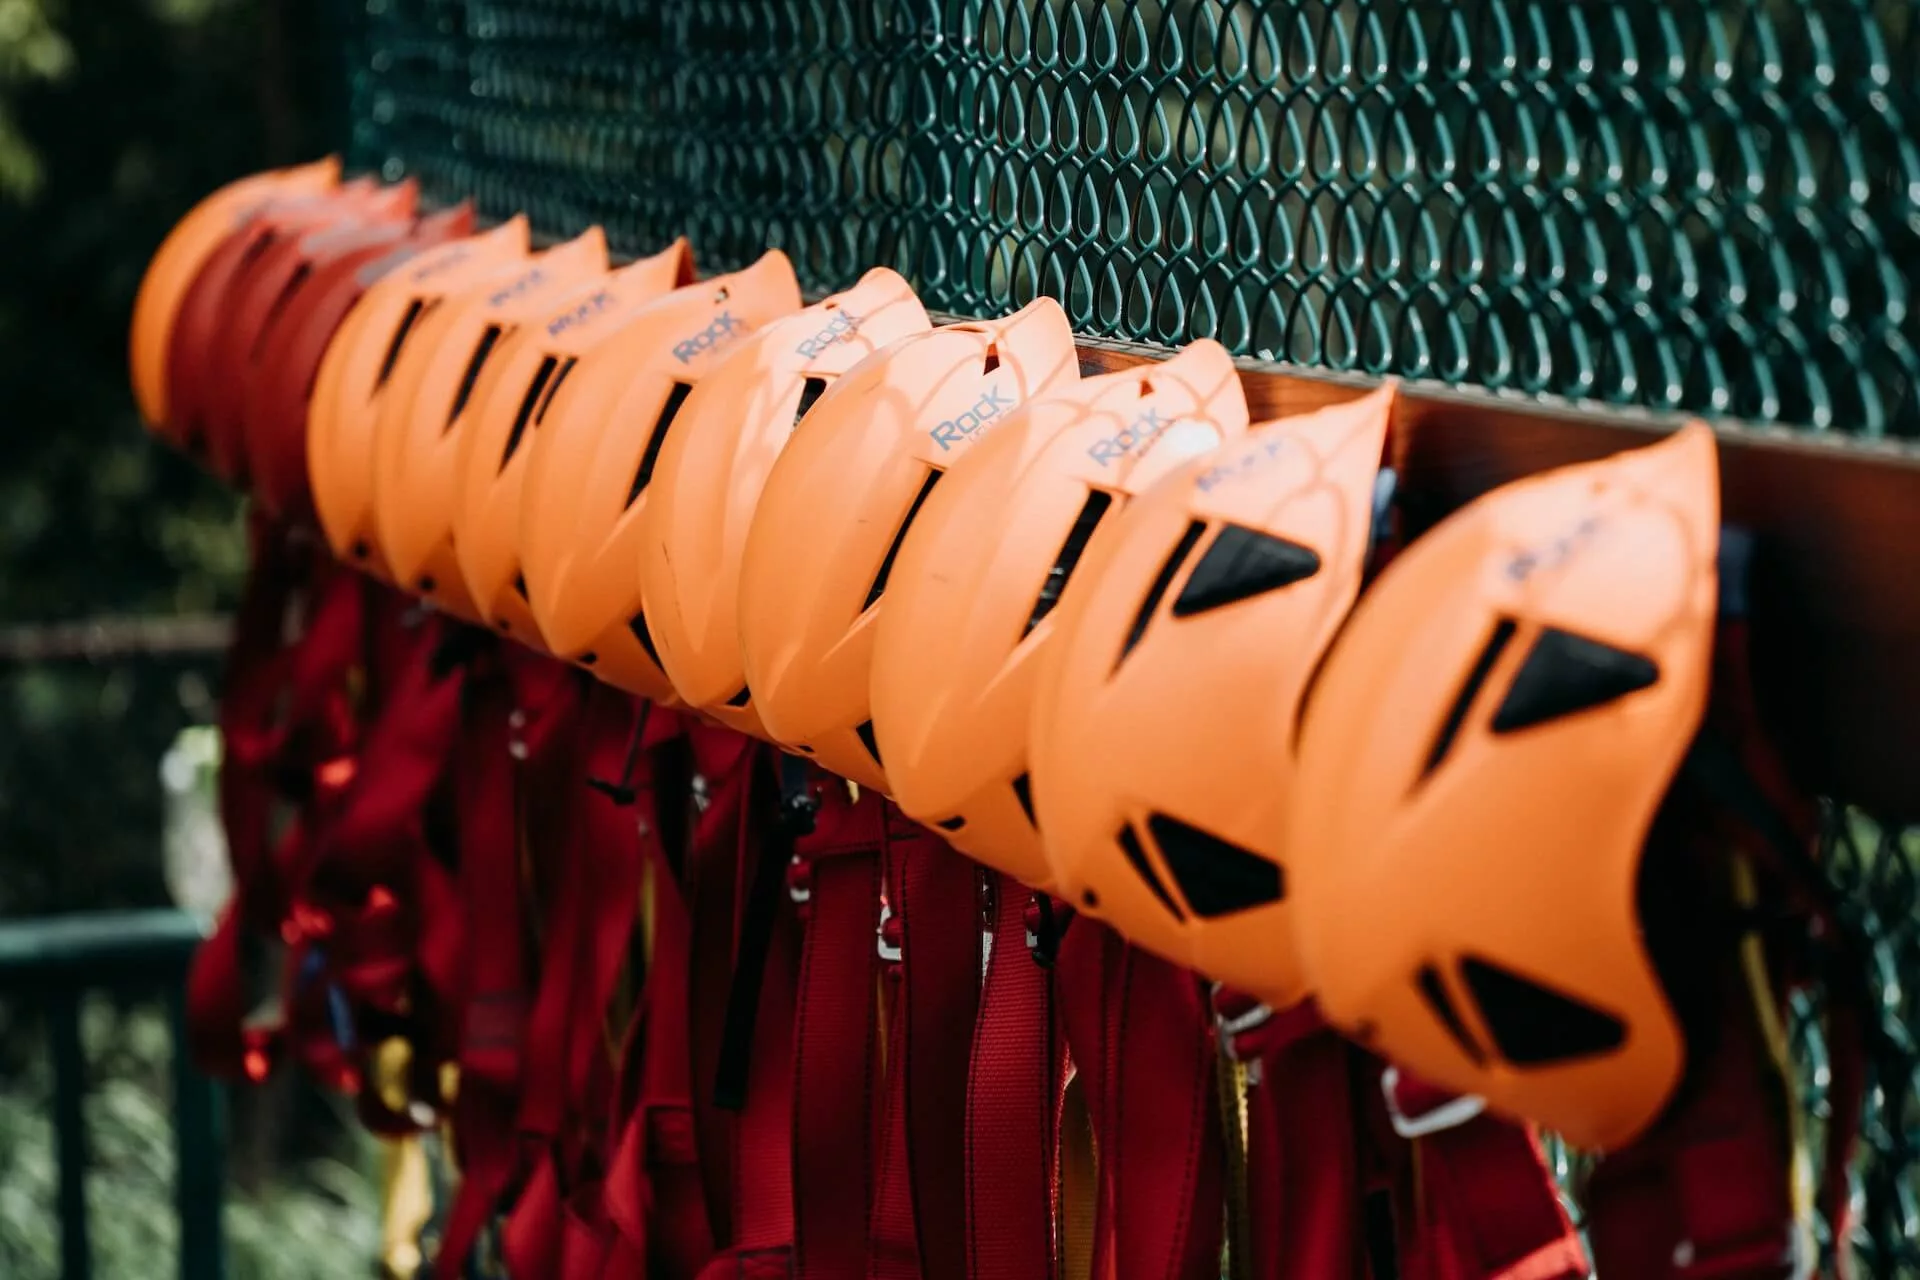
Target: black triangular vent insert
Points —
{"points": [[1242, 563], [1137, 857], [1533, 1025], [1566, 673], [1216, 877]]}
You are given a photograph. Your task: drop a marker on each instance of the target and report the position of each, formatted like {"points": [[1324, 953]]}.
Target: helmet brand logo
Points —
{"points": [[579, 315], [1554, 552], [446, 262], [962, 427], [1146, 428], [723, 330], [843, 326], [1242, 464], [522, 283]]}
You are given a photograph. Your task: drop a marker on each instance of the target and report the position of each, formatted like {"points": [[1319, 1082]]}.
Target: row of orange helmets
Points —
{"points": [[1099, 631]]}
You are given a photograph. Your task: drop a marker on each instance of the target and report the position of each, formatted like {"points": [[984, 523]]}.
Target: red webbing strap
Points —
{"points": [[892, 1245], [654, 1195], [276, 736], [513, 713], [1706, 1193], [565, 1105], [1305, 1185], [1011, 1136], [1483, 1205], [719, 864], [1139, 1031], [834, 1060], [939, 910]]}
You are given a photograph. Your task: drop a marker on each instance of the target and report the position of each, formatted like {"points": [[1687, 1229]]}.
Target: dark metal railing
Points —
{"points": [[57, 961]]}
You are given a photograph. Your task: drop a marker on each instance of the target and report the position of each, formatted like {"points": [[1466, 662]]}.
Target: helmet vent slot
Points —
{"points": [[1023, 792], [1216, 877], [643, 476], [1490, 653], [899, 536], [484, 348], [534, 389], [1566, 673], [638, 625], [741, 698], [1158, 591], [1242, 563], [951, 824], [553, 389], [401, 333], [1098, 503], [992, 361], [1434, 991], [869, 741], [281, 301], [811, 390], [1137, 858], [1533, 1025]]}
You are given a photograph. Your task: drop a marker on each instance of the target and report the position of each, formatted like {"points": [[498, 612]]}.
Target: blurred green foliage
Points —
{"points": [[324, 1227], [115, 117]]}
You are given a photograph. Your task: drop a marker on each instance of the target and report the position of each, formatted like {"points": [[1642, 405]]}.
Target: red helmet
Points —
{"points": [[179, 259], [286, 357], [238, 286], [844, 493]]}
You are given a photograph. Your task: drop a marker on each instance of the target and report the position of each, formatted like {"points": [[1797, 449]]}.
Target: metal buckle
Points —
{"points": [[799, 887], [889, 952], [1229, 1029], [1446, 1116]]}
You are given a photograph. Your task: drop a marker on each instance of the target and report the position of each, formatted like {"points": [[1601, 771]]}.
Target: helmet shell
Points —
{"points": [[972, 608], [1480, 765], [590, 467], [356, 375], [713, 467], [510, 403], [821, 548], [1168, 706]]}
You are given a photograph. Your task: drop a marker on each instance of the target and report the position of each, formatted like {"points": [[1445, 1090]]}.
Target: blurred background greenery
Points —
{"points": [[115, 117]]}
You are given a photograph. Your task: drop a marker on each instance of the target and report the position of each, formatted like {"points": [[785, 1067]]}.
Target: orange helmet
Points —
{"points": [[954, 657], [845, 491], [1480, 767], [357, 372], [242, 287], [286, 361], [181, 256], [1166, 711], [589, 469], [438, 394], [513, 399], [711, 471]]}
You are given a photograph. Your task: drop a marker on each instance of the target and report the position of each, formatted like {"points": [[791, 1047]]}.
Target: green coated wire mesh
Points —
{"points": [[1704, 206]]}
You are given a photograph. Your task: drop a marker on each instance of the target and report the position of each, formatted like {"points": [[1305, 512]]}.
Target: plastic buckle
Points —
{"points": [[1448, 1115]]}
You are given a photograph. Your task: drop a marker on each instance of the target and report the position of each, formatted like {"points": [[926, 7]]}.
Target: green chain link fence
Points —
{"points": [[1712, 207]]}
